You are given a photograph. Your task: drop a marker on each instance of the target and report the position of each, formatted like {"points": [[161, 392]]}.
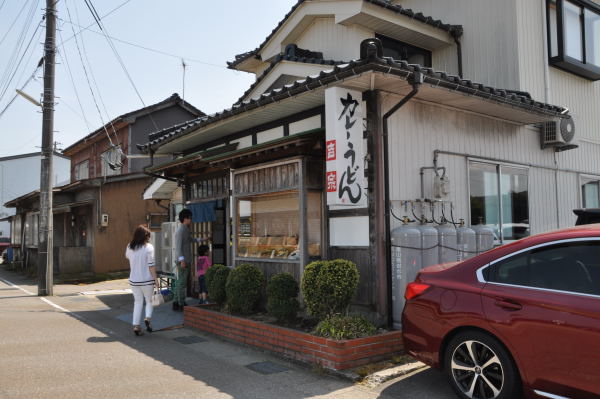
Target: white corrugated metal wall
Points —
{"points": [[418, 129]]}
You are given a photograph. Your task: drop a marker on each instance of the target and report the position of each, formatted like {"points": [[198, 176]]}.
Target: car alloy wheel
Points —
{"points": [[479, 367]]}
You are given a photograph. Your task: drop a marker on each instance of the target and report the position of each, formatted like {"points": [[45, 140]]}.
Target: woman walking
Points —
{"points": [[142, 277]]}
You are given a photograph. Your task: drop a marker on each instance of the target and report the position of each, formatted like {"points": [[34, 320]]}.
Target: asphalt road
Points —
{"points": [[73, 346]]}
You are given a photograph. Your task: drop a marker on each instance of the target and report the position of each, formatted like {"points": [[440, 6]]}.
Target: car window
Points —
{"points": [[4, 239], [513, 270], [571, 267]]}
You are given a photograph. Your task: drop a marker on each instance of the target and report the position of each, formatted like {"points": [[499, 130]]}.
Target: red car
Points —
{"points": [[521, 319]]}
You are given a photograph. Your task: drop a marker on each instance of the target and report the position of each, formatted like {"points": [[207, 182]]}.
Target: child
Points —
{"points": [[202, 264]]}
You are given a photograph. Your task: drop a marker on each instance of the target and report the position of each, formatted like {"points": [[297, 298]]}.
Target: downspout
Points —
{"points": [[456, 35], [416, 82]]}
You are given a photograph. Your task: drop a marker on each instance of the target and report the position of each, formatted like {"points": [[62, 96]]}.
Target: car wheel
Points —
{"points": [[478, 367]]}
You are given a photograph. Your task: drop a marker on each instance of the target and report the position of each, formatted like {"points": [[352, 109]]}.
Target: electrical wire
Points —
{"points": [[140, 46], [14, 60], [92, 24], [88, 81], [23, 87], [14, 21], [117, 56], [68, 68], [16, 68]]}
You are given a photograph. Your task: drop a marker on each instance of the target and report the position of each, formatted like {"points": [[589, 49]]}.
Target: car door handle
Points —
{"points": [[508, 305]]}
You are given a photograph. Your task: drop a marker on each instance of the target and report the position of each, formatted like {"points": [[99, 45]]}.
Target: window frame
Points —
{"points": [[583, 180], [482, 279], [498, 166], [562, 60], [77, 171]]}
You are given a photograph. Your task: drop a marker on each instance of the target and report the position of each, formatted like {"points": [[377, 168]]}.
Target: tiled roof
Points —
{"points": [[373, 63], [436, 23], [283, 57], [174, 99]]}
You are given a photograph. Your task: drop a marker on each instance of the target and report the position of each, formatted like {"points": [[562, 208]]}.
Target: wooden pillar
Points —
{"points": [[377, 233]]}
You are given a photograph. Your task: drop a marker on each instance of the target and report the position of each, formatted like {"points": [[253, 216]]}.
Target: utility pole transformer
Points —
{"points": [[46, 245]]}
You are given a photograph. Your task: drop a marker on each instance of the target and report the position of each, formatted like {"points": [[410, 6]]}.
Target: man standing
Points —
{"points": [[183, 253]]}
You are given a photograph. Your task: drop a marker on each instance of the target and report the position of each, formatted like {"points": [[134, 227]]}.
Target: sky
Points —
{"points": [[204, 33]]}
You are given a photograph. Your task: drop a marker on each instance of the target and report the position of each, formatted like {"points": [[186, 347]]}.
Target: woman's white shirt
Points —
{"points": [[140, 262]]}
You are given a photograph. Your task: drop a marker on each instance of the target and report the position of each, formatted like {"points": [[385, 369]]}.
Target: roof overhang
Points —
{"points": [[389, 23], [380, 16], [160, 189], [390, 77]]}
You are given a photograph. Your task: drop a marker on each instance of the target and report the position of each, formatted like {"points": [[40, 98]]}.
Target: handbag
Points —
{"points": [[157, 298]]}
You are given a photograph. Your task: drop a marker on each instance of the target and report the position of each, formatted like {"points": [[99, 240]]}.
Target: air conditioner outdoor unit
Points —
{"points": [[167, 250], [558, 133]]}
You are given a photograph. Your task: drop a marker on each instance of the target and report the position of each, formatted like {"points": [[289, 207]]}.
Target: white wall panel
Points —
{"points": [[418, 129], [268, 135], [349, 231], [314, 122], [336, 42]]}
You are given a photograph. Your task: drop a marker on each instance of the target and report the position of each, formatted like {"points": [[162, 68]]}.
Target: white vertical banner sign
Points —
{"points": [[344, 152]]}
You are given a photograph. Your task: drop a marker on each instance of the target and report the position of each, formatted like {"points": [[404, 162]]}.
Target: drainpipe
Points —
{"points": [[416, 81], [456, 35]]}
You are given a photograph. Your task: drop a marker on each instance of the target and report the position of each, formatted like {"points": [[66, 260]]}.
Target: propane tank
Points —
{"points": [[467, 241], [406, 263], [447, 241], [484, 237], [429, 245]]}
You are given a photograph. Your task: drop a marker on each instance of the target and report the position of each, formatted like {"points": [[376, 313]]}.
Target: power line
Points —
{"points": [[16, 69], [23, 87], [165, 53], [68, 67], [14, 21], [14, 59], [117, 56], [92, 24], [88, 78]]}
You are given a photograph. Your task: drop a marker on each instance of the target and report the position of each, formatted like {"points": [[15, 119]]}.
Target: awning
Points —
{"points": [[160, 189]]}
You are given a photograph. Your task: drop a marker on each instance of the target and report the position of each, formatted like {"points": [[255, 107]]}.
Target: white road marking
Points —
{"points": [[16, 286], [77, 316]]}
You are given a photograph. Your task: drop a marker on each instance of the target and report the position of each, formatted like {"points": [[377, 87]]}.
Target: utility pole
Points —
{"points": [[46, 245]]}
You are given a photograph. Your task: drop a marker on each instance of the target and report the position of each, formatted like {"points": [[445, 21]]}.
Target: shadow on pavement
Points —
{"points": [[216, 363], [429, 383]]}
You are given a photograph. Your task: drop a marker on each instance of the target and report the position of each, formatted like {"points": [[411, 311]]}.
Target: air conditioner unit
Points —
{"points": [[558, 133], [167, 250]]}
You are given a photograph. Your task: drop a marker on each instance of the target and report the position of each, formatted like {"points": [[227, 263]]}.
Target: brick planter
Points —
{"points": [[329, 353]]}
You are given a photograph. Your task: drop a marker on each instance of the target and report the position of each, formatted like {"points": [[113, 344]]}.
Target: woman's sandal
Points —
{"points": [[137, 330], [148, 325]]}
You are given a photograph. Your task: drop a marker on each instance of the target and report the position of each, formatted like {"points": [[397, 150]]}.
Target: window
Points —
{"points": [[16, 231], [31, 230], [574, 36], [570, 267], [268, 226], [82, 170], [403, 51], [590, 193], [499, 199], [111, 162]]}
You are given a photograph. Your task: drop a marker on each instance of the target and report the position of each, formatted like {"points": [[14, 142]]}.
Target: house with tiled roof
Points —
{"points": [[95, 213], [368, 116]]}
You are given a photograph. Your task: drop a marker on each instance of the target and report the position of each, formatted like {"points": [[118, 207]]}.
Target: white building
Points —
{"points": [[20, 174], [505, 156]]}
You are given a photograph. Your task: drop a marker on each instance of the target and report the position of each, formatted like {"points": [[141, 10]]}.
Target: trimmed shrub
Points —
{"points": [[345, 327], [216, 278], [329, 286], [244, 288], [282, 291]]}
